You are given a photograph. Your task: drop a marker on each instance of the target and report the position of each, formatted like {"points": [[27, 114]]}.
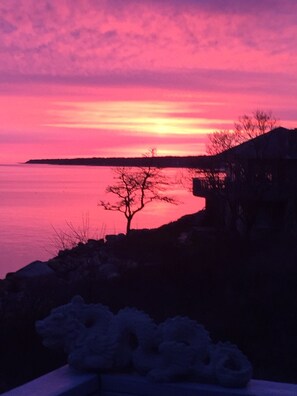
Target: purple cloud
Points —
{"points": [[200, 80], [6, 27], [68, 38]]}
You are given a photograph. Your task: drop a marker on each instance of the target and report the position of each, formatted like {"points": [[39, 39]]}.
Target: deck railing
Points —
{"points": [[67, 382], [261, 189], [203, 186]]}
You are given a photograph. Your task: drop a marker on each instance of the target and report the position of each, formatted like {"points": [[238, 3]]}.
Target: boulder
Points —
{"points": [[34, 269]]}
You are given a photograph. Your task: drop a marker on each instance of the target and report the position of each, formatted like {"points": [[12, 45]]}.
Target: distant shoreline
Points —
{"points": [[160, 162]]}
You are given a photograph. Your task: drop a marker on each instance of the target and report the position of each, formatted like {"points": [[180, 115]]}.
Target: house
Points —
{"points": [[253, 186]]}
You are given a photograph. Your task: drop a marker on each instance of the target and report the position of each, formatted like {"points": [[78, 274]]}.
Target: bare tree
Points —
{"points": [[251, 126], [72, 234], [247, 127], [135, 188], [220, 141]]}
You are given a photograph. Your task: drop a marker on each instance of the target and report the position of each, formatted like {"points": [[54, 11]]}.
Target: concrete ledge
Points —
{"points": [[61, 382], [67, 382], [124, 385]]}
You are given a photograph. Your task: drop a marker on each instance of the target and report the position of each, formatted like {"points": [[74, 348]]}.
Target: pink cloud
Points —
{"points": [[208, 61], [87, 37]]}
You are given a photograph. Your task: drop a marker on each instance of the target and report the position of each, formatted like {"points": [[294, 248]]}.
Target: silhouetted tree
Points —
{"points": [[220, 141], [247, 127], [135, 188]]}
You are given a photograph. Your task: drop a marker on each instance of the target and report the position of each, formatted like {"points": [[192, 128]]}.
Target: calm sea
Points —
{"points": [[37, 202]]}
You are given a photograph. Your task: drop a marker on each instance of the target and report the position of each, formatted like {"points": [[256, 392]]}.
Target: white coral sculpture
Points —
{"points": [[178, 349]]}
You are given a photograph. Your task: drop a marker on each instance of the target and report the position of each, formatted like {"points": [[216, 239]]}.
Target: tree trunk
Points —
{"points": [[128, 227]]}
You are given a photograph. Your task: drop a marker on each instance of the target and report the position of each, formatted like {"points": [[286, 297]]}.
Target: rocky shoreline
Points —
{"points": [[104, 258], [242, 291]]}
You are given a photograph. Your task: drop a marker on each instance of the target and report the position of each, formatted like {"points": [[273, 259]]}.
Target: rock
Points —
{"points": [[95, 244], [34, 269], [114, 238], [108, 271]]}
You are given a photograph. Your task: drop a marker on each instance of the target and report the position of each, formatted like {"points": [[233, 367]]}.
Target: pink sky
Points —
{"points": [[116, 77]]}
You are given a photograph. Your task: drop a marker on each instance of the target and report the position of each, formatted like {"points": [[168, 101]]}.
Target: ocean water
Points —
{"points": [[41, 203]]}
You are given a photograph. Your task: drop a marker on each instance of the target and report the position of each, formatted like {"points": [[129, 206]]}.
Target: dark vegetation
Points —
{"points": [[241, 291], [162, 162]]}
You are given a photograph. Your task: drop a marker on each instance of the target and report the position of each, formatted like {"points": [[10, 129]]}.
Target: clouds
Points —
{"points": [[6, 27], [137, 118], [87, 37], [212, 81], [240, 54]]}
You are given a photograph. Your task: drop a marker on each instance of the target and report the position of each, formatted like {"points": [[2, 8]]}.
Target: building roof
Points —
{"points": [[280, 143]]}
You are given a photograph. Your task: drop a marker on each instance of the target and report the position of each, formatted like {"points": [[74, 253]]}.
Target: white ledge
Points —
{"points": [[67, 382]]}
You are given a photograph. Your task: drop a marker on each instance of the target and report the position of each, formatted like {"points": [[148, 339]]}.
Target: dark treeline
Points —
{"points": [[160, 162]]}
